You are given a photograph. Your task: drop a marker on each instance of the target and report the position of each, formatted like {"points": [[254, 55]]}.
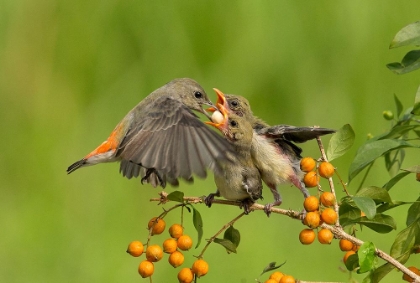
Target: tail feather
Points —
{"points": [[76, 165]]}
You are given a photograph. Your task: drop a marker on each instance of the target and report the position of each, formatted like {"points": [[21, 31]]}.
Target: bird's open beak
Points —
{"points": [[221, 107], [221, 99]]}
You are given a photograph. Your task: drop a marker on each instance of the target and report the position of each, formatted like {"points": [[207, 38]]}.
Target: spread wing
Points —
{"points": [[294, 134], [172, 140]]}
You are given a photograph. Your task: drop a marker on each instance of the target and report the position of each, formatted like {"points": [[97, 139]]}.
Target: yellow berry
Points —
{"points": [[176, 258], [185, 275], [135, 248], [200, 267], [307, 236], [157, 224], [154, 253], [184, 242], [176, 231], [311, 179], [345, 245], [327, 199], [325, 236], [329, 216], [311, 203], [277, 275], [169, 245], [307, 164], [326, 169], [146, 268], [312, 219]]}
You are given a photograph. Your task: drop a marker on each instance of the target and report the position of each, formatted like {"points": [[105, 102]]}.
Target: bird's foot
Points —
{"points": [[246, 205], [208, 200], [268, 206], [149, 172]]}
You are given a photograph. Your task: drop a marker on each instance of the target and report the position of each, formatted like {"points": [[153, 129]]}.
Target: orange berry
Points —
{"points": [[329, 216], [200, 267], [307, 236], [326, 169], [312, 219], [184, 242], [346, 245], [311, 179], [347, 255], [362, 214], [169, 246], [325, 236], [146, 268], [185, 275], [311, 203], [287, 279], [176, 231], [356, 248], [418, 177], [277, 275], [135, 248], [154, 253], [176, 259], [270, 281], [307, 164], [158, 225], [327, 199], [408, 278]]}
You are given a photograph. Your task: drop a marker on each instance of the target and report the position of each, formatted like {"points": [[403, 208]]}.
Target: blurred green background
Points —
{"points": [[70, 70]]}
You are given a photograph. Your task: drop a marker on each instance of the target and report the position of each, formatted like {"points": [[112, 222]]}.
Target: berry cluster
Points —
{"points": [[311, 178], [278, 277], [174, 246]]}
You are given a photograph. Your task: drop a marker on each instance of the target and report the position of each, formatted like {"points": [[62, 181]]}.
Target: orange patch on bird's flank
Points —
{"points": [[110, 144]]}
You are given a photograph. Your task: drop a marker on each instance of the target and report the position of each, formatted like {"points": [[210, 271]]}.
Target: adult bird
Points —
{"points": [[273, 150], [239, 180], [161, 139]]}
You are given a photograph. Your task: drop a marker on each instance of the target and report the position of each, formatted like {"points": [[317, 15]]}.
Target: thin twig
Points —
{"points": [[230, 223]]}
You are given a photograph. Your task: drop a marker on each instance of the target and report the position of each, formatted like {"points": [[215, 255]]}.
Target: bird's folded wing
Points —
{"points": [[170, 138], [295, 134]]}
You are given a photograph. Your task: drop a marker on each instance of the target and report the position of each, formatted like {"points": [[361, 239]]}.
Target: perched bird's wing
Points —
{"points": [[294, 134], [171, 139]]}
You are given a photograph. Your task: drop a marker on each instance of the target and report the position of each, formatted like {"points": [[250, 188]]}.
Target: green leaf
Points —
{"points": [[381, 223], [409, 63], [176, 196], [396, 132], [377, 194], [404, 241], [398, 105], [393, 161], [370, 151], [395, 180], [227, 244], [367, 257], [198, 224], [379, 273], [340, 142], [387, 206], [271, 266], [232, 235], [413, 213], [348, 212], [416, 107], [367, 205], [408, 35], [352, 262]]}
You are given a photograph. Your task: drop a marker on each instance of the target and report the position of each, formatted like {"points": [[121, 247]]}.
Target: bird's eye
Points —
{"points": [[198, 94], [233, 123], [234, 103]]}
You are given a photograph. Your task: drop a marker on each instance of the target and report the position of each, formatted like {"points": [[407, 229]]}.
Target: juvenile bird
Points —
{"points": [[161, 139], [239, 179], [273, 151]]}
